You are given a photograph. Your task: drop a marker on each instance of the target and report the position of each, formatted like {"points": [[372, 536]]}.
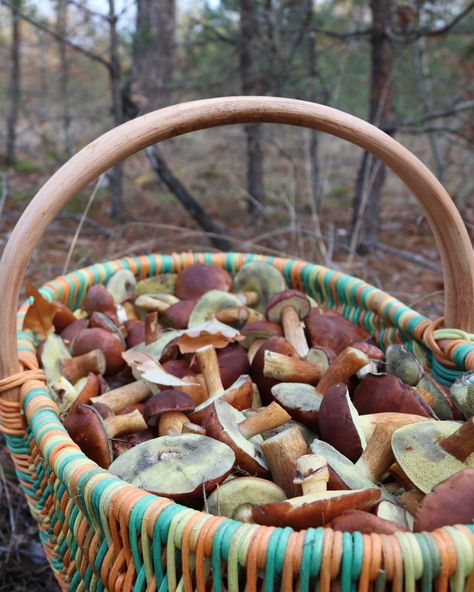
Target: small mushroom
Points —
{"points": [[90, 339], [178, 314], [68, 334], [92, 433], [400, 362], [262, 279], [384, 392], [283, 368], [63, 317], [339, 422], [182, 468], [198, 279], [238, 315], [75, 368], [99, 320], [154, 302], [316, 509], [120, 398], [164, 283], [432, 451], [302, 401], [232, 361], [259, 330], [377, 456], [330, 329], [442, 403], [390, 419], [346, 364], [236, 498], [230, 426], [462, 392], [359, 521], [209, 304], [135, 332], [312, 473], [289, 308], [168, 411], [121, 285], [450, 502], [99, 299], [53, 353]]}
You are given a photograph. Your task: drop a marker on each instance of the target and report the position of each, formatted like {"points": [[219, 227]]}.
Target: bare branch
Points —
{"points": [[438, 114], [90, 54]]}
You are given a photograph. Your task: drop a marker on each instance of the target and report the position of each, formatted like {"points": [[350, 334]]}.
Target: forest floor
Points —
{"points": [[406, 264]]}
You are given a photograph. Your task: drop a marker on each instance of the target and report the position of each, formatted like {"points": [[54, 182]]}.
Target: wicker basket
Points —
{"points": [[101, 533]]}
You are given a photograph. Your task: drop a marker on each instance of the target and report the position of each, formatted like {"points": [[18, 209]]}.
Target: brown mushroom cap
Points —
{"points": [[73, 329], [294, 298], [384, 392], [109, 343], [169, 400], [177, 315], [233, 362], [359, 521], [87, 430], [198, 279], [63, 317], [450, 502], [259, 330], [135, 332], [315, 509], [302, 401], [229, 497], [330, 329], [221, 421], [99, 299], [178, 467], [338, 423], [264, 383]]}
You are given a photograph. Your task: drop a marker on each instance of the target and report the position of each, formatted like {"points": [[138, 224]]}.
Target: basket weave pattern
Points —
{"points": [[101, 533]]}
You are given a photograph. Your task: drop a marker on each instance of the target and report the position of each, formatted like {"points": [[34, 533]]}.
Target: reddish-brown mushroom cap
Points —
{"points": [[99, 299], [338, 423], [359, 521], [302, 401], [63, 317], [233, 362], [294, 298], [90, 339], [135, 332], [330, 329], [259, 330], [177, 315], [73, 329], [86, 429], [450, 502], [198, 279], [316, 509], [170, 400], [384, 392]]}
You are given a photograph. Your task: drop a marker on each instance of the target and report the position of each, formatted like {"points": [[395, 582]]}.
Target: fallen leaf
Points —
{"points": [[151, 369], [40, 314], [211, 332]]}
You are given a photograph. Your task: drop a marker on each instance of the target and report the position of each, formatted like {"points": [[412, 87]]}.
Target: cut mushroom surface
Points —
{"points": [[179, 467]]}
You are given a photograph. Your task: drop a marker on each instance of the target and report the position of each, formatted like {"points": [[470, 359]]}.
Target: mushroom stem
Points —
{"points": [[389, 419], [281, 453], [461, 443], [249, 298], [288, 369], [120, 398], [312, 473], [411, 500], [344, 366], [130, 310], [120, 425], [267, 418], [238, 314], [151, 304], [294, 331], [89, 390], [377, 456], [171, 423], [209, 364], [151, 327], [193, 428], [79, 366]]}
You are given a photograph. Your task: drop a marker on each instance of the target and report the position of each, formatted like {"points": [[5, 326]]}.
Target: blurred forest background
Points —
{"points": [[72, 69]]}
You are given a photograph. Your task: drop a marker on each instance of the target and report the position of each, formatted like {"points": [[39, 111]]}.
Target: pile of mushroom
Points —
{"points": [[247, 399]]}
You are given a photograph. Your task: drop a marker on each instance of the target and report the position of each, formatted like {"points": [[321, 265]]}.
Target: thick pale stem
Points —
{"points": [[130, 311], [120, 398], [151, 327], [294, 331], [209, 364], [390, 419], [80, 366], [249, 298], [238, 314], [193, 428], [344, 366], [171, 423], [281, 453], [288, 369], [461, 443], [121, 425], [151, 304], [266, 418], [377, 456], [253, 349], [312, 473]]}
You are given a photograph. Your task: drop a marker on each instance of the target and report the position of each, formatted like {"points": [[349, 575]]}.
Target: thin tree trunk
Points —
{"points": [[64, 77], [14, 86], [116, 174], [252, 84], [371, 174]]}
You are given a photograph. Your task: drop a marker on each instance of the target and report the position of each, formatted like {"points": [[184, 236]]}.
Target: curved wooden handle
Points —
{"points": [[450, 234]]}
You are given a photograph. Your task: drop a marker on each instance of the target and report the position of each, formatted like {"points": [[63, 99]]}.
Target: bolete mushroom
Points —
{"points": [[178, 314], [120, 398], [403, 364], [99, 299], [289, 308], [302, 401], [168, 411], [182, 468], [199, 278], [121, 285], [90, 339], [462, 391], [432, 451], [260, 279], [237, 497], [359, 521], [209, 304], [330, 329], [75, 368]]}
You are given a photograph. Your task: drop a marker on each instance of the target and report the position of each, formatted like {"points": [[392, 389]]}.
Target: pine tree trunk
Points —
{"points": [[371, 174], [14, 86]]}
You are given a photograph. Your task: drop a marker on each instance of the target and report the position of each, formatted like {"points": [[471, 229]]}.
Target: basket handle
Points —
{"points": [[451, 237]]}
